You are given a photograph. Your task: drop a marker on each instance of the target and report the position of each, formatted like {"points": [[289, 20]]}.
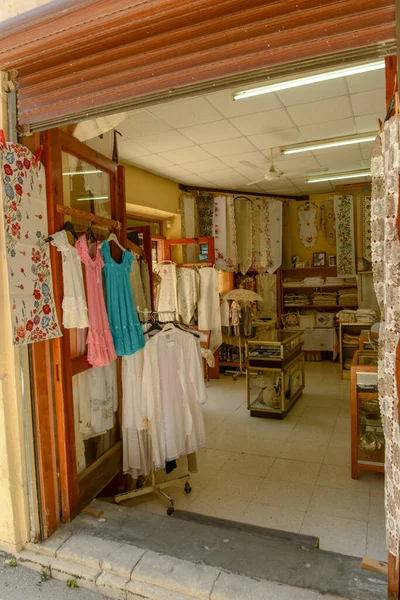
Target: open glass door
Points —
{"points": [[86, 189]]}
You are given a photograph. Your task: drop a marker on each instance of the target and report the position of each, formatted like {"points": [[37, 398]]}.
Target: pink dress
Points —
{"points": [[100, 345]]}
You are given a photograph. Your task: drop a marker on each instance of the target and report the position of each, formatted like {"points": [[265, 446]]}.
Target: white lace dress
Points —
{"points": [[75, 312]]}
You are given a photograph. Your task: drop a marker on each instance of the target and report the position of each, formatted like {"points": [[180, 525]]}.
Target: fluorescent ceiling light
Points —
{"points": [[293, 83], [82, 172], [92, 198], [330, 143], [334, 176]]}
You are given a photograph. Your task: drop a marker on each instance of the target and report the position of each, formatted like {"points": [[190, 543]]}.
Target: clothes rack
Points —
{"points": [[80, 214], [156, 488]]}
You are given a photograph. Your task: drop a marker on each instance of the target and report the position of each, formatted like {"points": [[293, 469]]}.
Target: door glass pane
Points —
{"points": [[85, 187], [95, 394]]}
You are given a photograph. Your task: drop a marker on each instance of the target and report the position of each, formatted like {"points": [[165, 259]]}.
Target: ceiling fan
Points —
{"points": [[273, 173]]}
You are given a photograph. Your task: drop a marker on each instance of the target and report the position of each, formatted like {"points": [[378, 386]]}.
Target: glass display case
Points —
{"points": [[276, 345], [275, 373], [367, 439]]}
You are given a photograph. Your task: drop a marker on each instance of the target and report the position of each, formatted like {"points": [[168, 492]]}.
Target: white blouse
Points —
{"points": [[75, 313]]}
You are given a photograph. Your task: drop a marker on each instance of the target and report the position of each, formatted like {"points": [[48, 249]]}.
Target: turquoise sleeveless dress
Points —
{"points": [[125, 328]]}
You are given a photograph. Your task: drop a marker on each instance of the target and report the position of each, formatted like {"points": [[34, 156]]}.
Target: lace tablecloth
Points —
{"points": [[318, 340]]}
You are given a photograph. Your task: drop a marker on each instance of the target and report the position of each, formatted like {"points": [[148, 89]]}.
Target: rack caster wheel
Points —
{"points": [[188, 487], [170, 511]]}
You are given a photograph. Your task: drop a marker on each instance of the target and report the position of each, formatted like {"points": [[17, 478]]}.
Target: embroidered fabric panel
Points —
{"points": [[386, 272], [189, 220], [366, 228], [307, 223], [23, 194], [244, 233], [345, 238], [327, 221], [205, 209]]}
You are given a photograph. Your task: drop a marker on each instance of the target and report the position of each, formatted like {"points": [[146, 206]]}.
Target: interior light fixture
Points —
{"points": [[92, 198], [335, 176], [293, 83], [82, 172], [330, 143]]}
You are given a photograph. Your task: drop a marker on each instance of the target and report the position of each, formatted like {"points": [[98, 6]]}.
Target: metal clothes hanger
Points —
{"points": [[90, 233]]}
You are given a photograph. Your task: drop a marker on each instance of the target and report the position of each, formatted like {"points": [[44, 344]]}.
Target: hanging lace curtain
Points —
{"points": [[386, 272], [190, 226]]}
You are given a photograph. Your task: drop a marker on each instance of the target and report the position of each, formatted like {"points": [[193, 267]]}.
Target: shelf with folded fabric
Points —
{"points": [[319, 306], [347, 351], [310, 272]]}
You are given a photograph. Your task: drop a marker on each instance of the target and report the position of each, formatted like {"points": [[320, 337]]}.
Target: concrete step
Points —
{"points": [[130, 554]]}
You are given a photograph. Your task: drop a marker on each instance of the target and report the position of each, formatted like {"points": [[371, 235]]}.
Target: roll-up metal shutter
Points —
{"points": [[76, 59]]}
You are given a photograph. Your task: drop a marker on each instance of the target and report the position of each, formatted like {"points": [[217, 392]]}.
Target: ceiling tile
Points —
{"points": [[262, 122], [316, 188], [366, 103], [236, 160], [363, 82], [202, 166], [233, 184], [186, 112], [140, 123], [175, 172], [274, 139], [229, 147], [128, 149], [328, 130], [228, 107], [299, 164], [221, 174], [366, 150], [184, 155], [274, 186], [322, 111], [162, 142], [253, 173], [367, 123], [313, 92], [211, 132], [338, 155], [193, 179], [153, 161]]}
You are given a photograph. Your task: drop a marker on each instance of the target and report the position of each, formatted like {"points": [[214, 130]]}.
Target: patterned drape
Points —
{"points": [[386, 272], [345, 238]]}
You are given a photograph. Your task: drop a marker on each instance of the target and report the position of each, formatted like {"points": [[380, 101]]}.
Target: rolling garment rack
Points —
{"points": [[154, 487]]}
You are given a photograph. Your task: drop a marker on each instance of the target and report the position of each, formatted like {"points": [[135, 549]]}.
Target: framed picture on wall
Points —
{"points": [[332, 261], [319, 259]]}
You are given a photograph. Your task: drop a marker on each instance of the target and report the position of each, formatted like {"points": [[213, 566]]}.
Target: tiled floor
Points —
{"points": [[292, 474]]}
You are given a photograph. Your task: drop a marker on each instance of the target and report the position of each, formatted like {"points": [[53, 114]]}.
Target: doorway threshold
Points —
{"points": [[132, 554]]}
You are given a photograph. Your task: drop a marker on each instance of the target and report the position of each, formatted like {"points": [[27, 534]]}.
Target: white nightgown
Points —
{"points": [[173, 390], [75, 312]]}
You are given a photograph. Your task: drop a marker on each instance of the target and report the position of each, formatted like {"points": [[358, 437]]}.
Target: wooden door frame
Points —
{"points": [[72, 499]]}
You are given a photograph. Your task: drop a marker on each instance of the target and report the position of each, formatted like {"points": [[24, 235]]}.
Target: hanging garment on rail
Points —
{"points": [[125, 327], [145, 276], [136, 442], [307, 224], [167, 296], [188, 292], [75, 311], [100, 345], [266, 287], [209, 314], [173, 391]]}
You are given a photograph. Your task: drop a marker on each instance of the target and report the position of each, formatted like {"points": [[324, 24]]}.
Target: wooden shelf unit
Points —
{"points": [[347, 351]]}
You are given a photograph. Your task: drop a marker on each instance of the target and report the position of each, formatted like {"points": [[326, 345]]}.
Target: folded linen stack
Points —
{"points": [[334, 281], [324, 298], [296, 299], [292, 282], [351, 340], [346, 316], [313, 281], [348, 296], [365, 315], [350, 280]]}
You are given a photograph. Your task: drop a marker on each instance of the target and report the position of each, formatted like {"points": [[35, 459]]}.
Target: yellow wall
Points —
{"points": [[14, 510], [146, 189], [292, 245]]}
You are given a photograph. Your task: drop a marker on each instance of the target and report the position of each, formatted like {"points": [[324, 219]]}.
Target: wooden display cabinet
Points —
{"points": [[275, 373], [367, 439]]}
